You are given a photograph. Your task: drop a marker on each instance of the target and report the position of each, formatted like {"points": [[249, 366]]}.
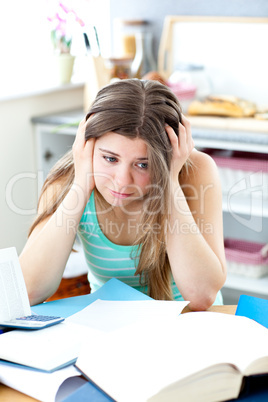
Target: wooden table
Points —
{"points": [[10, 395], [228, 309]]}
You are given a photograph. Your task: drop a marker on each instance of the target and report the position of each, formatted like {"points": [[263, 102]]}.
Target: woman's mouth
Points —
{"points": [[120, 195]]}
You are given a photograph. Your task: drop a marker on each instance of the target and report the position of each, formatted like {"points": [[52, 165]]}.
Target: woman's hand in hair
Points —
{"points": [[182, 147], [83, 160]]}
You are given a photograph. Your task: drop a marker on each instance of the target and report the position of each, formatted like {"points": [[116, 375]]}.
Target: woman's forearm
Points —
{"points": [[47, 250], [197, 270]]}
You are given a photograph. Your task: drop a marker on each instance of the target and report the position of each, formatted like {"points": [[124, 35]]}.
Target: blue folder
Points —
{"points": [[254, 308], [111, 290], [88, 392]]}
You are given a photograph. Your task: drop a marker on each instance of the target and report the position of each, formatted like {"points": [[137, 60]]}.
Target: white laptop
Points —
{"points": [[15, 310]]}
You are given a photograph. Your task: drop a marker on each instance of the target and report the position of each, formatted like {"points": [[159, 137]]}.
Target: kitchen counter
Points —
{"points": [[69, 117], [247, 134]]}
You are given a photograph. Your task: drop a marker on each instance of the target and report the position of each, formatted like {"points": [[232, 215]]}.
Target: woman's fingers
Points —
{"points": [[187, 125], [83, 152], [81, 146], [182, 146], [172, 137], [80, 135], [181, 143], [89, 147]]}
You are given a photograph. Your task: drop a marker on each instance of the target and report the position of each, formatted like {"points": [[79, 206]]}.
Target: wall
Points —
{"points": [[18, 158], [155, 11]]}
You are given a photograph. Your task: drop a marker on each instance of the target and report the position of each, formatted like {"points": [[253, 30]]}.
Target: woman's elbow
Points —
{"points": [[35, 297], [38, 294], [202, 303], [201, 300]]}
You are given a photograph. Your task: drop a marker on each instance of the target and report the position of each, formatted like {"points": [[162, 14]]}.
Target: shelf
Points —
{"points": [[246, 134], [248, 205], [62, 121], [251, 285], [208, 132], [229, 124]]}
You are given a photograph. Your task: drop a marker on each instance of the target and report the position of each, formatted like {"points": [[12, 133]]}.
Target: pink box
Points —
{"points": [[235, 166], [246, 258], [246, 164]]}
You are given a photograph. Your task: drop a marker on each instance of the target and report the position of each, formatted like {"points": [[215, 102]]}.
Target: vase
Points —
{"points": [[65, 64]]}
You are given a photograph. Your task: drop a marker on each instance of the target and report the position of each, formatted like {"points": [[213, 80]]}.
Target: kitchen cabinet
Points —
{"points": [[248, 135], [245, 217], [55, 135]]}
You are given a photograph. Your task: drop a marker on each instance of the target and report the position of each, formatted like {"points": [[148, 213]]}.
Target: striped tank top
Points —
{"points": [[108, 260]]}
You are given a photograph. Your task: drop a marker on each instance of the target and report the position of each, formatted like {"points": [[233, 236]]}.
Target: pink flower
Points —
{"points": [[62, 19]]}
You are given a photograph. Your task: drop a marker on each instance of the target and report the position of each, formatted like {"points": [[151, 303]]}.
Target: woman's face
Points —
{"points": [[121, 171]]}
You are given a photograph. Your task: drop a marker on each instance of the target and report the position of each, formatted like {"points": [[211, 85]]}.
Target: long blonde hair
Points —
{"points": [[134, 108]]}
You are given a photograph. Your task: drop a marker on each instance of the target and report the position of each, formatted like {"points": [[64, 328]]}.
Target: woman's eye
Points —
{"points": [[143, 165], [110, 159]]}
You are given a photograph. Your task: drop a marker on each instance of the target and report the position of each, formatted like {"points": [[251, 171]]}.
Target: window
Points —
{"points": [[27, 58]]}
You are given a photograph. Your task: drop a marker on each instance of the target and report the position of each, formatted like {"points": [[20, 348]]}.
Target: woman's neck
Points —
{"points": [[119, 225], [118, 212]]}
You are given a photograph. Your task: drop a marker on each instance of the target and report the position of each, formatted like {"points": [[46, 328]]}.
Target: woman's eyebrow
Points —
{"points": [[114, 154], [108, 152]]}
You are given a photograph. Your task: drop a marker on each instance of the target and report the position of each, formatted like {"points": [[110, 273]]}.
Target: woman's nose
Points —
{"points": [[123, 176]]}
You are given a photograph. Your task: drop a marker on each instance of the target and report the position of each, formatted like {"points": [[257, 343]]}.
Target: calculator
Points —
{"points": [[33, 321]]}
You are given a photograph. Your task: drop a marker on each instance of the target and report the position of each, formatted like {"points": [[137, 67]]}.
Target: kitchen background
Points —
{"points": [[156, 11], [22, 99]]}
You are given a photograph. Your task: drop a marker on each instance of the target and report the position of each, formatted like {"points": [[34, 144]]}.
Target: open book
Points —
{"points": [[15, 311], [14, 300], [200, 356]]}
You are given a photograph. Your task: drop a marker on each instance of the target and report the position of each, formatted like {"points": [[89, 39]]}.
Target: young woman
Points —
{"points": [[145, 203]]}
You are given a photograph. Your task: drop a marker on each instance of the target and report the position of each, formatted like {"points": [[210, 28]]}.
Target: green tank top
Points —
{"points": [[107, 260]]}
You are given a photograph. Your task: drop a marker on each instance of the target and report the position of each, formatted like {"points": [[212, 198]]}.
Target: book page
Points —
{"points": [[158, 353], [14, 301], [43, 386], [111, 315]]}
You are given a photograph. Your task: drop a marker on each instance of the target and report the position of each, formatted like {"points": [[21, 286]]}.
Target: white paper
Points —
{"points": [[108, 316], [14, 301], [37, 384], [44, 349]]}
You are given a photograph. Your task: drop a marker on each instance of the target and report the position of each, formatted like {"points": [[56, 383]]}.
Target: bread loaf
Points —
{"points": [[224, 105]]}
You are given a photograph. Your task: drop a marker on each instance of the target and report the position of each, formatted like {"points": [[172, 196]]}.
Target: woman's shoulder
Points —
{"points": [[202, 169], [201, 159]]}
